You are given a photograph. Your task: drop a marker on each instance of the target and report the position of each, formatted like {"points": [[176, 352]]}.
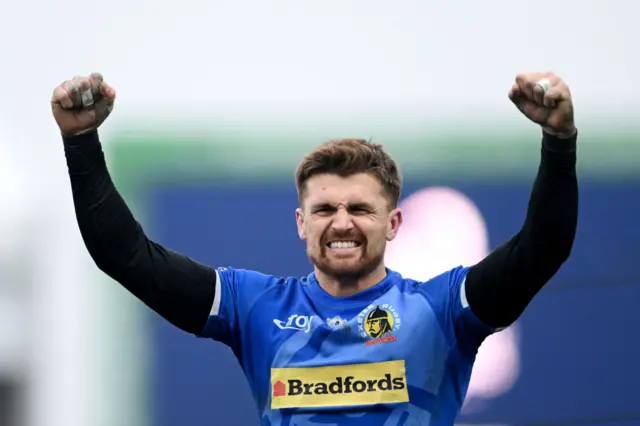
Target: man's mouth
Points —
{"points": [[343, 244]]}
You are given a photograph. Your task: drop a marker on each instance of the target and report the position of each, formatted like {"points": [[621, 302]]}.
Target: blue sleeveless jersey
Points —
{"points": [[399, 353]]}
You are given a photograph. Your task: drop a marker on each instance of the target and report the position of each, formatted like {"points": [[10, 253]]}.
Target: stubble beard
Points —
{"points": [[349, 269]]}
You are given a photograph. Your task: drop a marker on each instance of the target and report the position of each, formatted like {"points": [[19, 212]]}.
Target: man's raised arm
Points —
{"points": [[500, 287], [176, 287]]}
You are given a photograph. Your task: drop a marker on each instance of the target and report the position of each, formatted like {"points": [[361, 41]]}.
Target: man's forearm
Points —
{"points": [[173, 285], [107, 226], [500, 287]]}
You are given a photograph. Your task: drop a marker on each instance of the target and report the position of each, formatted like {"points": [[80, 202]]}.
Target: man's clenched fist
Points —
{"points": [[82, 104], [545, 99]]}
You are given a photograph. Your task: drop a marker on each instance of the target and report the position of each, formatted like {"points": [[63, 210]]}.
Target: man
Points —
{"points": [[354, 343]]}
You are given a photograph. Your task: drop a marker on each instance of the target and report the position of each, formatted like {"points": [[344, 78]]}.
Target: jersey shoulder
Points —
{"points": [[444, 293], [246, 287], [440, 287], [238, 292]]}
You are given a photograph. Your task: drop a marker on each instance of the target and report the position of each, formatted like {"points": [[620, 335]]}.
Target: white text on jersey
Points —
{"points": [[295, 322]]}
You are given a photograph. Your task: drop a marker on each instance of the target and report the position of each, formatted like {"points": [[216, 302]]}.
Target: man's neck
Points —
{"points": [[344, 288]]}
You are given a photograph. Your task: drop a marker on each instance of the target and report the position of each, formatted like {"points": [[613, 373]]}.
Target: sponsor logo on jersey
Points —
{"points": [[378, 324], [336, 322], [339, 385], [295, 322]]}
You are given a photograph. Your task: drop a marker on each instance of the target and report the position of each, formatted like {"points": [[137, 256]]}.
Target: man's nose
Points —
{"points": [[342, 220]]}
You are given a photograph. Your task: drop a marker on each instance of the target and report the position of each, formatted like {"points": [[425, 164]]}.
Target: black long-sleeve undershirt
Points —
{"points": [[501, 286], [182, 290], [178, 288]]}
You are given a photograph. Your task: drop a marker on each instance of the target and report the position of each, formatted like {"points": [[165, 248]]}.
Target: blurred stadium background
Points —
{"points": [[217, 103]]}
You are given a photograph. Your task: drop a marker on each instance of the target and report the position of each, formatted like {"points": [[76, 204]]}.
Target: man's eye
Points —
{"points": [[359, 210]]}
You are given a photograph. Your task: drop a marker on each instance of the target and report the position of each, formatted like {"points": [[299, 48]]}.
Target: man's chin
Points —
{"points": [[348, 267], [351, 268]]}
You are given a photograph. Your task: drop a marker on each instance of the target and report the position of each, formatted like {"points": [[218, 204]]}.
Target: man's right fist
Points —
{"points": [[82, 104]]}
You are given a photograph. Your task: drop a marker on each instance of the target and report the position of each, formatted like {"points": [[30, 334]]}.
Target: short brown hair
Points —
{"points": [[346, 157]]}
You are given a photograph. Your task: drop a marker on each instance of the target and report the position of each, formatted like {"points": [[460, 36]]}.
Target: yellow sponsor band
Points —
{"points": [[339, 385]]}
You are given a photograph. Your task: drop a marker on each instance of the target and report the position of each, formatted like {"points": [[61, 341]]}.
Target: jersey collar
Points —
{"points": [[320, 295]]}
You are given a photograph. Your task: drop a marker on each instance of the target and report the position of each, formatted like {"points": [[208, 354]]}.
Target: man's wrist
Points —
{"points": [[567, 133], [83, 139], [559, 143]]}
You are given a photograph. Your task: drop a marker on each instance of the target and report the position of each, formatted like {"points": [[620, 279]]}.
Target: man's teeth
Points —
{"points": [[343, 244]]}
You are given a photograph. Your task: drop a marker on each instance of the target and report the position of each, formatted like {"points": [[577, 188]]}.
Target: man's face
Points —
{"points": [[375, 326], [346, 223]]}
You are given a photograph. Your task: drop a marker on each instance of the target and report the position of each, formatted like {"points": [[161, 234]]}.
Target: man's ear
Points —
{"points": [[300, 223], [395, 221]]}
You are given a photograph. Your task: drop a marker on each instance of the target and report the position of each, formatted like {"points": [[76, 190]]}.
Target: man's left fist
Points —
{"points": [[546, 100]]}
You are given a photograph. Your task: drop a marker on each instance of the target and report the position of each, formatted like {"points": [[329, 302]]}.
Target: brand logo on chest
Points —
{"points": [[295, 322], [379, 324]]}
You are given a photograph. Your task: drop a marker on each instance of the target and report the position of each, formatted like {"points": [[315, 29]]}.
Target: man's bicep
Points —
{"points": [[447, 296], [470, 330], [175, 286], [235, 293], [499, 287], [222, 319]]}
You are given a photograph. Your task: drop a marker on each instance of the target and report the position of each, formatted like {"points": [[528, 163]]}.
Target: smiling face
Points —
{"points": [[346, 223]]}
